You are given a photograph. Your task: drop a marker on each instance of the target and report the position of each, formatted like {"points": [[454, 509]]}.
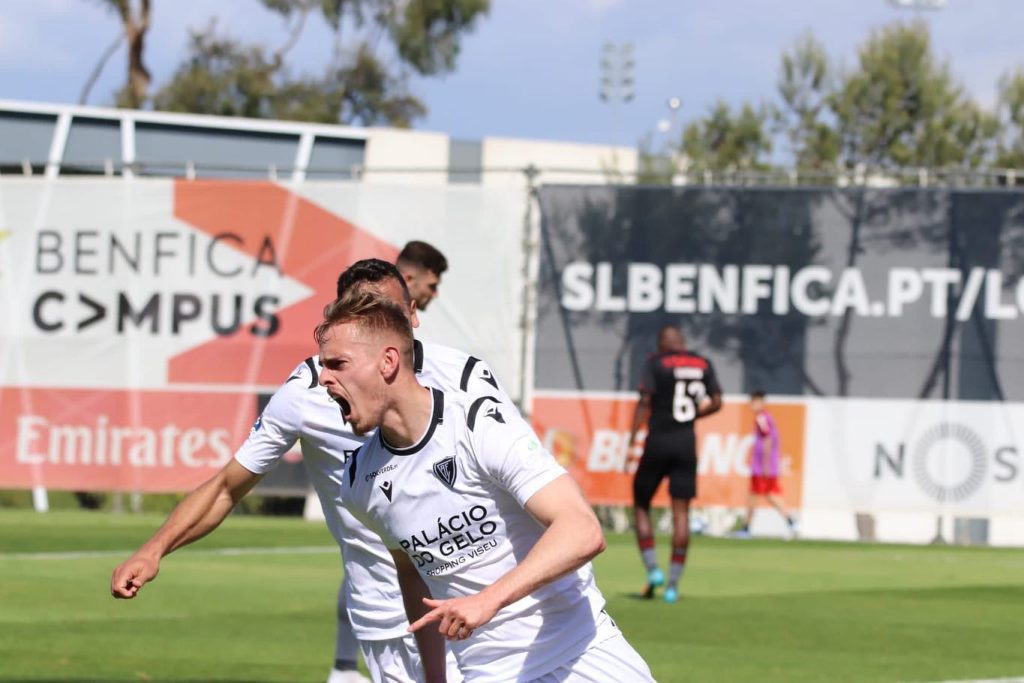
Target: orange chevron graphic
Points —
{"points": [[313, 246]]}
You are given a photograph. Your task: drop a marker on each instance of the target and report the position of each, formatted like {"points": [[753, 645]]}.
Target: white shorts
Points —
{"points": [[609, 660], [397, 660]]}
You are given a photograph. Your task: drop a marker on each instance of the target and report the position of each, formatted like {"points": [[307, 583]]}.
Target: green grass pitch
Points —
{"points": [[750, 610]]}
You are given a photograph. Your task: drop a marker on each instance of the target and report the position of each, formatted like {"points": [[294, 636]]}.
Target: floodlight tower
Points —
{"points": [[617, 68], [617, 65]]}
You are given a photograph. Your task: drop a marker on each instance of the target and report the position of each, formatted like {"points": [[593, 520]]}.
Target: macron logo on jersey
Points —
{"points": [[495, 415], [446, 471], [386, 488]]}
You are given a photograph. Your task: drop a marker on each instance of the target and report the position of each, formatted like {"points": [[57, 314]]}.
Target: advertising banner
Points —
{"points": [[875, 294], [958, 458], [145, 322], [589, 435]]}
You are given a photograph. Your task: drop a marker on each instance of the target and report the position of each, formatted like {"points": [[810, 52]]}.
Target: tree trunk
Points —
{"points": [[138, 75], [137, 88]]}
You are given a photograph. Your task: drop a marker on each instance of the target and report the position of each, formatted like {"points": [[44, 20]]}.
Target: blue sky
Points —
{"points": [[531, 69]]}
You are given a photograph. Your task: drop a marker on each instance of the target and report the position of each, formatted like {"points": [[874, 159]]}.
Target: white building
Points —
{"points": [[56, 140]]}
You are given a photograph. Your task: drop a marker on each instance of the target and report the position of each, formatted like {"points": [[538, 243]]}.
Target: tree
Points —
{"points": [[228, 78], [654, 167], [135, 22], [222, 77], [728, 141], [1011, 120], [379, 44], [804, 86], [900, 107], [897, 107]]}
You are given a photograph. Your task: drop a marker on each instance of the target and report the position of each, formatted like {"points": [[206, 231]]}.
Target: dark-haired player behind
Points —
{"points": [[678, 387], [422, 266]]}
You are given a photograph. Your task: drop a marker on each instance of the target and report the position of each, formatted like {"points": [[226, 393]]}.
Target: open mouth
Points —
{"points": [[346, 409]]}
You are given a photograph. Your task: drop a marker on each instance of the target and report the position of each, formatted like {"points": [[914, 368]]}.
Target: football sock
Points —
{"points": [[648, 554], [677, 566], [346, 647], [345, 665]]}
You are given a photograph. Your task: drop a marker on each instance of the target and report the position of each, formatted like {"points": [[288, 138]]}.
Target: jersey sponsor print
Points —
{"points": [[457, 510], [302, 411]]}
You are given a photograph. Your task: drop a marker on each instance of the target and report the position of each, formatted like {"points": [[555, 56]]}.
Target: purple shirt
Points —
{"points": [[764, 430]]}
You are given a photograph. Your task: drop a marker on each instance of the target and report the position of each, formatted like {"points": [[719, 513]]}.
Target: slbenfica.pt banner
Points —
{"points": [[914, 295]]}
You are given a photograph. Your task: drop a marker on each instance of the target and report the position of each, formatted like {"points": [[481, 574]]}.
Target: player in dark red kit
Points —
{"points": [[678, 387]]}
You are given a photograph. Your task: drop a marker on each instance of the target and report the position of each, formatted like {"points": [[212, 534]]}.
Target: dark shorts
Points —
{"points": [[672, 455]]}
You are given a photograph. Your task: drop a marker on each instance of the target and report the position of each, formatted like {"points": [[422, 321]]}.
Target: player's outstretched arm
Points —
{"points": [[573, 537], [415, 595], [197, 515]]}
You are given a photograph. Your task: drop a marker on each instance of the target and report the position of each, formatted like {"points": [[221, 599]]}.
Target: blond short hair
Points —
{"points": [[373, 312]]}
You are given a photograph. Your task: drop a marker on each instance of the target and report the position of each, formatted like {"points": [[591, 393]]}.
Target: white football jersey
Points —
{"points": [[456, 372], [454, 502], [302, 410]]}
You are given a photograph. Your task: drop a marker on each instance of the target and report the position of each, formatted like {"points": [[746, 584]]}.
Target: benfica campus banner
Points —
{"points": [[145, 322], [816, 296]]}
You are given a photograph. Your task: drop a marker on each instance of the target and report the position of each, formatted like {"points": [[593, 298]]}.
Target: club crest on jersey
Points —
{"points": [[446, 471], [386, 488]]}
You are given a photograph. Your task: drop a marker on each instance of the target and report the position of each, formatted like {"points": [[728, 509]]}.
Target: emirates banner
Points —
{"points": [[901, 299], [145, 322]]}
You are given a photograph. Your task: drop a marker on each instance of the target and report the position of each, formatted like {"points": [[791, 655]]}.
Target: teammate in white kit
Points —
{"points": [[435, 365], [302, 411], [475, 513], [422, 266], [411, 282]]}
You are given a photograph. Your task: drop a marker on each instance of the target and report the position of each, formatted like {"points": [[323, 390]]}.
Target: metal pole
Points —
{"points": [[531, 234]]}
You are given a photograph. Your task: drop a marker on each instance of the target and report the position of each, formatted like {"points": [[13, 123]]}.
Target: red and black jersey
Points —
{"points": [[678, 382]]}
